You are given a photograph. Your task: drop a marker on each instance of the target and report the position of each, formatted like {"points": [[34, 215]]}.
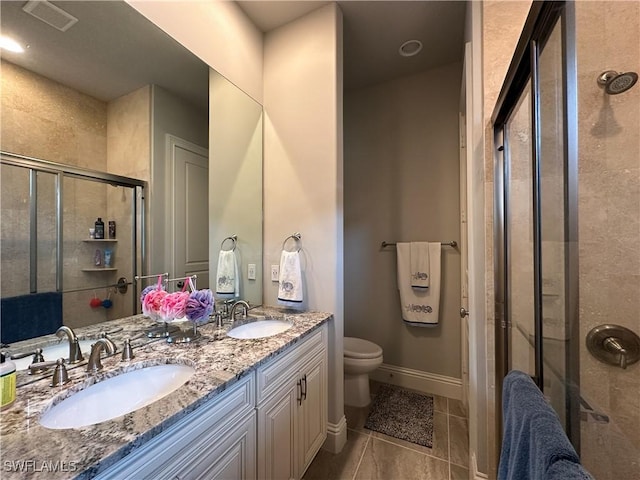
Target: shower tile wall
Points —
{"points": [[128, 154], [43, 119], [608, 38]]}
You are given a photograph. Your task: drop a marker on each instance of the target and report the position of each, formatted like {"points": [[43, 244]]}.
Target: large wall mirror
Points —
{"points": [[100, 87]]}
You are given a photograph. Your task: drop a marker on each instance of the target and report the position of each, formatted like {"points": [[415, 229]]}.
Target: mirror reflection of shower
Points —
{"points": [[615, 83]]}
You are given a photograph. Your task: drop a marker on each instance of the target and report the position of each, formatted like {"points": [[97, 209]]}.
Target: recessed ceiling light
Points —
{"points": [[10, 44], [410, 48]]}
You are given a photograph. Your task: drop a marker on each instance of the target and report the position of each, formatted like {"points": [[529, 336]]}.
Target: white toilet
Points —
{"points": [[360, 358]]}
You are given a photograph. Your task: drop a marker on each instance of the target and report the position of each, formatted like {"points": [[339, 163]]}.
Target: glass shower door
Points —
{"points": [[540, 226], [519, 236], [28, 227], [558, 239]]}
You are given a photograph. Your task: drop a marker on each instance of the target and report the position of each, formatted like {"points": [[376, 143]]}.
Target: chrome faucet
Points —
{"points": [[94, 364], [239, 304], [75, 354]]}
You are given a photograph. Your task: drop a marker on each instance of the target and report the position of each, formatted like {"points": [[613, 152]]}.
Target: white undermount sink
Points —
{"points": [[116, 396], [54, 352], [259, 329]]}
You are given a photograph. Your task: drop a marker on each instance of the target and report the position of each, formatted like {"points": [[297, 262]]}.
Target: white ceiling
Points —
{"points": [[112, 50], [374, 31]]}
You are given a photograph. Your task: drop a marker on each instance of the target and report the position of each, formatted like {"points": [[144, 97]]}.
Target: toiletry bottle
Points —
{"points": [[108, 255], [97, 258], [7, 382], [99, 233], [112, 229]]}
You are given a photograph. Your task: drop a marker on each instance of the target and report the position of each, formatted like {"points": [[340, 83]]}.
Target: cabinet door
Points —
{"points": [[277, 436], [233, 458], [313, 410], [174, 451]]}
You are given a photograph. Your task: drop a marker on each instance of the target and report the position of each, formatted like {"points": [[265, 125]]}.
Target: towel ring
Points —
{"points": [[233, 238], [296, 236]]}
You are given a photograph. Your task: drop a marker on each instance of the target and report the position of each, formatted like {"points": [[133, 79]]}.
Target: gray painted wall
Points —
{"points": [[402, 184], [169, 115]]}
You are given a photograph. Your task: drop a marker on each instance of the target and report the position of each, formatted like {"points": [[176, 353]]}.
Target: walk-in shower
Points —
{"points": [[568, 225], [49, 260]]}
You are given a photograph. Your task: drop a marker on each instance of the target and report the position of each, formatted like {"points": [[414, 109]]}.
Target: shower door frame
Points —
{"points": [[542, 18], [60, 170]]}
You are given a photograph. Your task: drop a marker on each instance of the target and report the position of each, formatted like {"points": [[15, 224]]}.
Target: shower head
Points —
{"points": [[614, 82]]}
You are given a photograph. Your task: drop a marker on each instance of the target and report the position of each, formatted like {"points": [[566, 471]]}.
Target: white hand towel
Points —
{"points": [[290, 281], [420, 306], [227, 278], [419, 264]]}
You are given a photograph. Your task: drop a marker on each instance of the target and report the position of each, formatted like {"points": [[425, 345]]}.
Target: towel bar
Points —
{"points": [[452, 243]]}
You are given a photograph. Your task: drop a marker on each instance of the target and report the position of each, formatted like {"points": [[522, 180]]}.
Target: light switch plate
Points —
{"points": [[275, 273], [251, 271]]}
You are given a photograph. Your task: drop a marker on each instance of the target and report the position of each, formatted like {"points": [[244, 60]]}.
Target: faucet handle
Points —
{"points": [[37, 355], [39, 367], [60, 376], [127, 351]]}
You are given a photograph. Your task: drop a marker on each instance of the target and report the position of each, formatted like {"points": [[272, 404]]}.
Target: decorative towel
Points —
{"points": [[420, 264], [420, 306], [227, 278], [290, 281], [534, 444]]}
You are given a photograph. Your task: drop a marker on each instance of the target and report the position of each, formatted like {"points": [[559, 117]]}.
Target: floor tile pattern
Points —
{"points": [[371, 455]]}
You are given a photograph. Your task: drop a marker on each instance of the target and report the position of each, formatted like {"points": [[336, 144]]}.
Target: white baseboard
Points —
{"points": [[336, 436], [418, 380]]}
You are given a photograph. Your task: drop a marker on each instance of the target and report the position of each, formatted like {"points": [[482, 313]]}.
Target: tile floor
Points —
{"points": [[370, 455]]}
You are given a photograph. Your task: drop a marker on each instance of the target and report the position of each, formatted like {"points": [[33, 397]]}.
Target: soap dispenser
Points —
{"points": [[7, 382], [99, 229]]}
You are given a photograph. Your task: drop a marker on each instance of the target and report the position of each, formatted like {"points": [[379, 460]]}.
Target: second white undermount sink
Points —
{"points": [[116, 396], [259, 329]]}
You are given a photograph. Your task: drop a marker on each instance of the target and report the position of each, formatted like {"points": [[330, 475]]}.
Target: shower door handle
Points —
{"points": [[463, 312]]}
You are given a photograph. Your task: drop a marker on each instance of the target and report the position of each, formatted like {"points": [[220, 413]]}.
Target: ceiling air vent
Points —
{"points": [[50, 14]]}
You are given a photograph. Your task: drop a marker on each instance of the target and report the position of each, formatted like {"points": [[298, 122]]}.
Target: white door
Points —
{"points": [[189, 171]]}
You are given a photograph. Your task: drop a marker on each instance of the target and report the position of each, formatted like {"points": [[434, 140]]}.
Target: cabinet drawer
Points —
{"points": [[283, 368], [196, 431]]}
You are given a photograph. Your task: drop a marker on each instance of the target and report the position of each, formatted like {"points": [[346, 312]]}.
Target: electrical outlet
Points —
{"points": [[275, 273], [251, 271]]}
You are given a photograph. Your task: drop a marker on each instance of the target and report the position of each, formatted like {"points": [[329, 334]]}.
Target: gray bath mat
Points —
{"points": [[402, 414]]}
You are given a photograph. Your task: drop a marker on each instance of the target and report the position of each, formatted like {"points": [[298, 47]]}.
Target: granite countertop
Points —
{"points": [[32, 451]]}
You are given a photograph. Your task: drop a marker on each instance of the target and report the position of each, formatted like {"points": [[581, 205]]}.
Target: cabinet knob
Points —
{"points": [[463, 312]]}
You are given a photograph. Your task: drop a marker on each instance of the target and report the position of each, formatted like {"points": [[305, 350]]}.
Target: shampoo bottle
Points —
{"points": [[7, 382], [99, 229]]}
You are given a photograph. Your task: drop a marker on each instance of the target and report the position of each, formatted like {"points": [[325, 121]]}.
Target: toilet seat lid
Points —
{"points": [[360, 348]]}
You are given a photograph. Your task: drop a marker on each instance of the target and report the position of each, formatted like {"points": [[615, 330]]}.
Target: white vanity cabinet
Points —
{"points": [[269, 425], [216, 441], [292, 408]]}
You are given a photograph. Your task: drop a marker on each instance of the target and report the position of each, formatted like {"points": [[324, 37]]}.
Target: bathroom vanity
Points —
{"points": [[252, 409]]}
